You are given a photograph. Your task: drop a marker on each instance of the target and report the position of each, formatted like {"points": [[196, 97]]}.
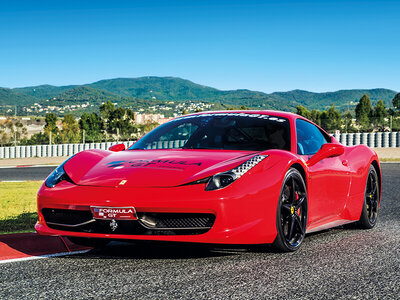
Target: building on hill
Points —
{"points": [[150, 118]]}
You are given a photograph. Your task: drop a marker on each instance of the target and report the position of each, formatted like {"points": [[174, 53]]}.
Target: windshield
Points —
{"points": [[225, 131]]}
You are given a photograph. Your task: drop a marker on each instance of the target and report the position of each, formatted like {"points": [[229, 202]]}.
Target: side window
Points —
{"points": [[309, 138]]}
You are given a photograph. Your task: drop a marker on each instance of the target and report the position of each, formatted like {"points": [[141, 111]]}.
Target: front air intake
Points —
{"points": [[147, 223]]}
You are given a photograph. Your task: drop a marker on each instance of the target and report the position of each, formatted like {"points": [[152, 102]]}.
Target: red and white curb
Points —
{"points": [[42, 256], [29, 246]]}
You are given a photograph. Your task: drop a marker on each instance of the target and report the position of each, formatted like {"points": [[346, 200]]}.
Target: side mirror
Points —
{"points": [[117, 148], [327, 150]]}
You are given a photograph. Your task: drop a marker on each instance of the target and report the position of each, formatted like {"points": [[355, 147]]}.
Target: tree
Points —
{"points": [[12, 129], [330, 119], [39, 138], [148, 126], [379, 114], [396, 101], [5, 132], [316, 116], [4, 137], [302, 111], [363, 112], [19, 130], [106, 109], [122, 122], [70, 130], [348, 122], [93, 126], [51, 124]]}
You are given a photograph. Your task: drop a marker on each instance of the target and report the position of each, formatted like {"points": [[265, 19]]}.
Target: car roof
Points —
{"points": [[290, 116], [276, 113]]}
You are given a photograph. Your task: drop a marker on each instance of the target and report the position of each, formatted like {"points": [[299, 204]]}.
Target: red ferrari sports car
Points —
{"points": [[234, 177]]}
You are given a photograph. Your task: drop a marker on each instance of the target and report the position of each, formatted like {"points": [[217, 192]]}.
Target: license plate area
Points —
{"points": [[113, 213]]}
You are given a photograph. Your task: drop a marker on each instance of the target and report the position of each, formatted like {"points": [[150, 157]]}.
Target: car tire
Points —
{"points": [[89, 242], [369, 213], [292, 213]]}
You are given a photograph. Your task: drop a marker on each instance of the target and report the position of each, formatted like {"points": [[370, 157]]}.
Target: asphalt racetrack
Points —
{"points": [[25, 173], [341, 263]]}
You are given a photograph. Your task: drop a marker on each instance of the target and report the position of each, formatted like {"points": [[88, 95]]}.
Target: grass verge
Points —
{"points": [[389, 159], [18, 206]]}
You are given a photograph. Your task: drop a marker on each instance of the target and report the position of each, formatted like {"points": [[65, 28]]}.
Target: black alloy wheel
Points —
{"points": [[291, 217], [369, 213]]}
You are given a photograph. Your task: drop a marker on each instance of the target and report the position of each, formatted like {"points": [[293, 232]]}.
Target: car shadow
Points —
{"points": [[166, 250]]}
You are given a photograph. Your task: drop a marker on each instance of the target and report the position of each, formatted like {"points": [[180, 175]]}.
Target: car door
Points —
{"points": [[329, 179]]}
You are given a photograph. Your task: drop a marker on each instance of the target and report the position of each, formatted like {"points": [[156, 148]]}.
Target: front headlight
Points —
{"points": [[221, 180], [57, 176]]}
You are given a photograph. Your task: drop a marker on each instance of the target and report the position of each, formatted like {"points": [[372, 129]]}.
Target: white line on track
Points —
{"points": [[27, 166], [42, 256], [12, 180]]}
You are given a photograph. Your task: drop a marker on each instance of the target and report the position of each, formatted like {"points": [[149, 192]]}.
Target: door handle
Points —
{"points": [[345, 162]]}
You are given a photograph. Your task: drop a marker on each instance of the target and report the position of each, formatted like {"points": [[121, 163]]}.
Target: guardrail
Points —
{"points": [[371, 139], [53, 150]]}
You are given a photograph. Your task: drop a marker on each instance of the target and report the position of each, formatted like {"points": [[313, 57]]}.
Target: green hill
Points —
{"points": [[83, 94], [11, 97], [171, 88], [151, 90], [162, 88], [86, 94], [178, 89], [341, 99], [45, 91]]}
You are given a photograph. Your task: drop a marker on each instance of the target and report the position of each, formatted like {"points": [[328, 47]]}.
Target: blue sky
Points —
{"points": [[258, 45]]}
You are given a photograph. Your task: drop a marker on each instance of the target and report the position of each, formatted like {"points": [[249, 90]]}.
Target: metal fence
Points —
{"points": [[53, 150], [372, 139]]}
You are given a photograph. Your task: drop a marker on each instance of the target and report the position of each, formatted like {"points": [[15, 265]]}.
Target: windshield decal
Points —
{"points": [[258, 116]]}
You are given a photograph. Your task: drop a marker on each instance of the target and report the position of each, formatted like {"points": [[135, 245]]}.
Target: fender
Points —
{"points": [[83, 161], [357, 157], [287, 159]]}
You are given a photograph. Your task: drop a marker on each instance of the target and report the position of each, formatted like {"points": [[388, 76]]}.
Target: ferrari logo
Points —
{"points": [[292, 210], [122, 182], [113, 225]]}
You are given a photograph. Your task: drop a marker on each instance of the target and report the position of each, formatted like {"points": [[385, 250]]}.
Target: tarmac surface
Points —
{"points": [[25, 173], [341, 263]]}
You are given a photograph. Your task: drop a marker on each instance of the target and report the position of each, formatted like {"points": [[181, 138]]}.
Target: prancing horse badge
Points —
{"points": [[113, 225]]}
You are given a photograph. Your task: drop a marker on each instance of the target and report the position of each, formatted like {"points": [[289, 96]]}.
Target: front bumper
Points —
{"points": [[244, 213]]}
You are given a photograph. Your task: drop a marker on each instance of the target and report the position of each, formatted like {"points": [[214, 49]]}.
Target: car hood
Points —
{"points": [[150, 168]]}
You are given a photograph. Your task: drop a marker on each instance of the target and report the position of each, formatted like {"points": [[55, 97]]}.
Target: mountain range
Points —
{"points": [[155, 90]]}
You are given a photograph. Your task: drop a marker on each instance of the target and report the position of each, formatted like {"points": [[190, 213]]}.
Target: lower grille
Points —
{"points": [[66, 216], [147, 223], [176, 221]]}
